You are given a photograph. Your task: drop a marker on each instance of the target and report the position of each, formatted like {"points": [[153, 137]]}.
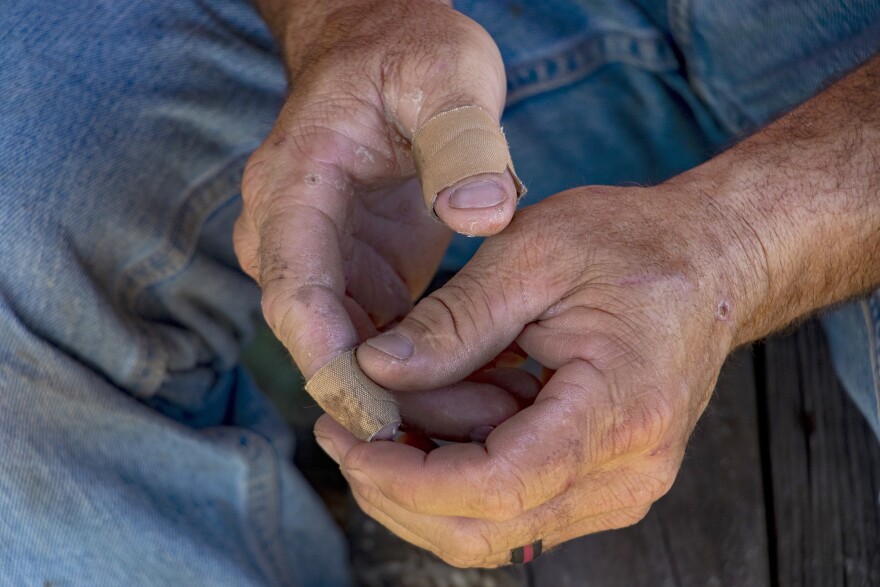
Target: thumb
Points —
{"points": [[465, 170], [455, 330]]}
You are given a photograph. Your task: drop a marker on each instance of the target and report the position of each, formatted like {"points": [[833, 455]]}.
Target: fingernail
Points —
{"points": [[481, 433], [327, 446], [392, 344], [386, 433], [479, 194]]}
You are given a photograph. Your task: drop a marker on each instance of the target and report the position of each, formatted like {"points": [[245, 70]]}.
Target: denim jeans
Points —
{"points": [[134, 448]]}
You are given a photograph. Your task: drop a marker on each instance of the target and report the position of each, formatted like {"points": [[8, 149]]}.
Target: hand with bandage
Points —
{"points": [[333, 226], [632, 298], [600, 285]]}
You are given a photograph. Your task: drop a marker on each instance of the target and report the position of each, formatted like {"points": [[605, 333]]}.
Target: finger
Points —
{"points": [[466, 411], [300, 201], [579, 333], [402, 531], [528, 460], [418, 242], [362, 323], [481, 205], [464, 324], [519, 383], [458, 546], [246, 244], [376, 286], [475, 542], [464, 167], [470, 410], [513, 356]]}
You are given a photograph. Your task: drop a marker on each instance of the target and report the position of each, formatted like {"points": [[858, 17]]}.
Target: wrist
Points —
{"points": [[789, 241], [736, 252]]}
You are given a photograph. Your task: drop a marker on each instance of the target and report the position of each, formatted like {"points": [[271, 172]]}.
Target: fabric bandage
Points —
{"points": [[345, 392], [458, 144]]}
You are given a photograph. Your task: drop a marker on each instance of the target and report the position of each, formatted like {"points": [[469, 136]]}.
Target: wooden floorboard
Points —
{"points": [[824, 464], [709, 530], [799, 509]]}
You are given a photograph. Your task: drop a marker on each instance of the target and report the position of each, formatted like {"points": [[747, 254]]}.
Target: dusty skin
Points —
{"points": [[633, 297]]}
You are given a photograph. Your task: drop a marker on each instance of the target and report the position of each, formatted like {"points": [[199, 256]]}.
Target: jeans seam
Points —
{"points": [[169, 258], [716, 99], [584, 56], [262, 459]]}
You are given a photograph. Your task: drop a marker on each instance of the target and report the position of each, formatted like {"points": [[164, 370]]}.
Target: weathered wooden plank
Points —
{"points": [[709, 530], [824, 466]]}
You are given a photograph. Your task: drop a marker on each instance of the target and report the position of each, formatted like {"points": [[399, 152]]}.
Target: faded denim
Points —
{"points": [[134, 450]]}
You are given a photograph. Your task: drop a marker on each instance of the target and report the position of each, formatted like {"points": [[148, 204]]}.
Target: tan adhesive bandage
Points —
{"points": [[457, 144], [353, 399]]}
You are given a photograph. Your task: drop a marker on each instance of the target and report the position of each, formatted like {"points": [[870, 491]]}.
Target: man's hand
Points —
{"points": [[333, 227], [634, 297], [611, 288]]}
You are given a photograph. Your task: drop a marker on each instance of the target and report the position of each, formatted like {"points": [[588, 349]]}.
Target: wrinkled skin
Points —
{"points": [[631, 298], [614, 290], [333, 226]]}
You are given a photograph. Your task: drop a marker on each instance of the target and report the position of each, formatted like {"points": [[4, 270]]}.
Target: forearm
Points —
{"points": [[803, 200]]}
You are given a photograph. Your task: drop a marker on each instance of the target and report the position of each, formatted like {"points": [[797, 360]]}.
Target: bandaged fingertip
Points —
{"points": [[458, 144], [354, 400]]}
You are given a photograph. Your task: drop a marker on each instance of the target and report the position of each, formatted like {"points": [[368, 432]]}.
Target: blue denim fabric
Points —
{"points": [[853, 333], [134, 450], [615, 92]]}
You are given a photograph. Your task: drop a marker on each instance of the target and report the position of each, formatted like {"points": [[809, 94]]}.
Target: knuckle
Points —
{"points": [[447, 317], [366, 492], [275, 303], [630, 517], [282, 306], [254, 177], [647, 487], [467, 544], [245, 245], [659, 415], [502, 496], [664, 480], [644, 424]]}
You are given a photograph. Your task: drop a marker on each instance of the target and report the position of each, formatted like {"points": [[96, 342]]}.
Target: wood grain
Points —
{"points": [[824, 467], [710, 528]]}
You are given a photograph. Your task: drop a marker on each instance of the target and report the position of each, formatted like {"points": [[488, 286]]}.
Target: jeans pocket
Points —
{"points": [[753, 59], [553, 44]]}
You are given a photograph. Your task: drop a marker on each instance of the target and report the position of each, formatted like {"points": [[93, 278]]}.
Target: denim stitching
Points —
{"points": [[262, 496], [723, 106], [583, 56], [169, 257]]}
